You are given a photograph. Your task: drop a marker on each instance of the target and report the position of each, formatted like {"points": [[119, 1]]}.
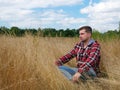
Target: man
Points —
{"points": [[87, 53]]}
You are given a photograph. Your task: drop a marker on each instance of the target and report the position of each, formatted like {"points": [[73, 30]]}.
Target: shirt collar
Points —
{"points": [[90, 42]]}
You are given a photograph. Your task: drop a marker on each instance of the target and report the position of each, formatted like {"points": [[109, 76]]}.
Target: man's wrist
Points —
{"points": [[79, 73]]}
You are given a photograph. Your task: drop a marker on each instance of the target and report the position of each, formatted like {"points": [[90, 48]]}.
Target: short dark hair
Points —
{"points": [[88, 29]]}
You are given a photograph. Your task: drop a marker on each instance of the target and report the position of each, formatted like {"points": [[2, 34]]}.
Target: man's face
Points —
{"points": [[84, 35]]}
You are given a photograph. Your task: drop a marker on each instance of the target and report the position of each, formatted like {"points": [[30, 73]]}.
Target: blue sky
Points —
{"points": [[102, 15]]}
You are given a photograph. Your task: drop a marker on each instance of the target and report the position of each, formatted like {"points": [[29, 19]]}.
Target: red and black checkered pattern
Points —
{"points": [[86, 57]]}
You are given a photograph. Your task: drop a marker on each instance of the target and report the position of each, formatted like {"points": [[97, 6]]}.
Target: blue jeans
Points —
{"points": [[69, 72]]}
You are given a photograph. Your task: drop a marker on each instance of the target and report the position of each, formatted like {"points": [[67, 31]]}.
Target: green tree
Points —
{"points": [[69, 33], [4, 30], [15, 31]]}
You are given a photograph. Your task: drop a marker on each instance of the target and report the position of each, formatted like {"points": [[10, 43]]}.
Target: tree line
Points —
{"points": [[52, 32]]}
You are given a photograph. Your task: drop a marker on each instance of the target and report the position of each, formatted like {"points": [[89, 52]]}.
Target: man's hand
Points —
{"points": [[76, 77]]}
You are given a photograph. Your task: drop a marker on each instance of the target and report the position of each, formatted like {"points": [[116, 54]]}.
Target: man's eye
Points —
{"points": [[81, 33]]}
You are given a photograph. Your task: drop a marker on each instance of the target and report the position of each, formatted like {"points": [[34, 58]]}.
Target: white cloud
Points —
{"points": [[37, 3], [50, 18], [60, 19], [104, 15], [21, 13], [14, 14], [67, 21]]}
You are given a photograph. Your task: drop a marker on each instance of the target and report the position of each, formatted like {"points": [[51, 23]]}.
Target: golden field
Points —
{"points": [[27, 63]]}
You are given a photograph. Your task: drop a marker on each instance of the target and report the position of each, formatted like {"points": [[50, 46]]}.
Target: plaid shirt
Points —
{"points": [[86, 57]]}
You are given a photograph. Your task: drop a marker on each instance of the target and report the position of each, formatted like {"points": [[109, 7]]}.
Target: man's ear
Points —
{"points": [[89, 34]]}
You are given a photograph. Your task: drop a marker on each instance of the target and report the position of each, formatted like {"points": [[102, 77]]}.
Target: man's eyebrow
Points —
{"points": [[81, 33]]}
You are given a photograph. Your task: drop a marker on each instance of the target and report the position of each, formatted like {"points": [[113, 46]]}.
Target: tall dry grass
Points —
{"points": [[27, 63]]}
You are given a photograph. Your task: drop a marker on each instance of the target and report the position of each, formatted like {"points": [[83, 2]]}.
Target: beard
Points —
{"points": [[85, 39]]}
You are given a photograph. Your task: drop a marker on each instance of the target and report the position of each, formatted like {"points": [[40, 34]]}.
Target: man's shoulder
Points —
{"points": [[96, 43]]}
